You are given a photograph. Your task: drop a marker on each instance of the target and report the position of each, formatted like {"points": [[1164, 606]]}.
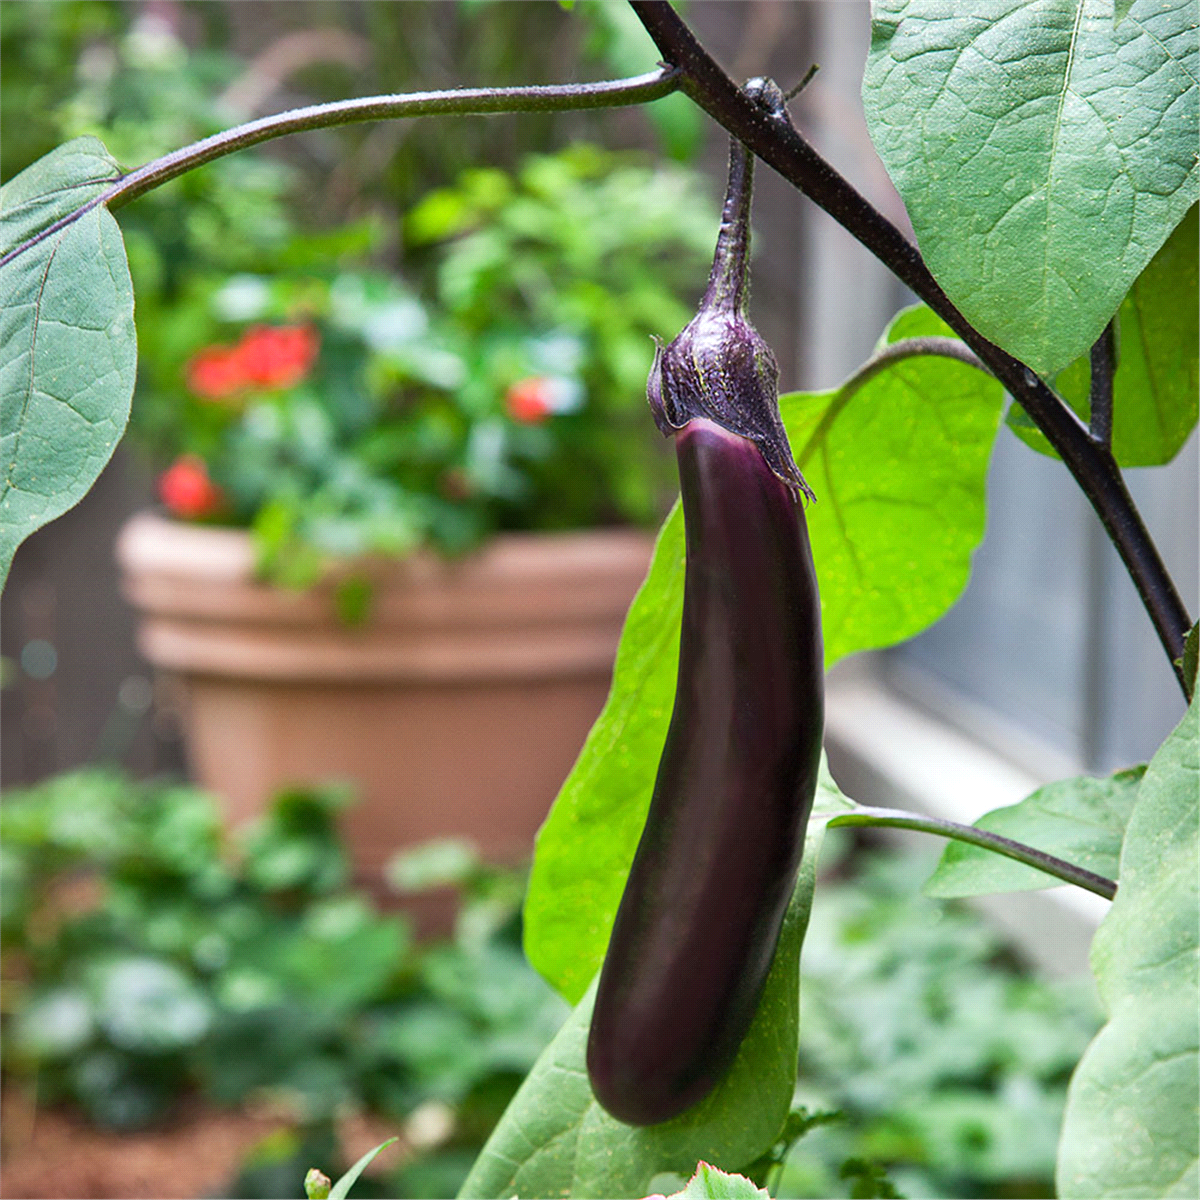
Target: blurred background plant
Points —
{"points": [[151, 961], [458, 359], [337, 412], [945, 1056]]}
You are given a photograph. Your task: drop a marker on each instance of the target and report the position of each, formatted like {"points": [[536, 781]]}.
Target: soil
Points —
{"points": [[55, 1155]]}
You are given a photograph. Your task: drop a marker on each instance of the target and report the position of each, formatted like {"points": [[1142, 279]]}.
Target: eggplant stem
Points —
{"points": [[727, 288], [1058, 867]]}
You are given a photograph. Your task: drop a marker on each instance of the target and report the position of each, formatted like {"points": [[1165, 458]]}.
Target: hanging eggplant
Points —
{"points": [[700, 917]]}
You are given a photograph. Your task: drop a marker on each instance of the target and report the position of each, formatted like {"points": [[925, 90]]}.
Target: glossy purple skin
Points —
{"points": [[700, 917]]}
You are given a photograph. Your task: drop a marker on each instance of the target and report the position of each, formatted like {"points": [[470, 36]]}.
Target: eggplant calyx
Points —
{"points": [[719, 367]]}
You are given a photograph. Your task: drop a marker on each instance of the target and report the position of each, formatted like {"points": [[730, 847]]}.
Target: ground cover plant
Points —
{"points": [[1046, 154], [150, 960]]}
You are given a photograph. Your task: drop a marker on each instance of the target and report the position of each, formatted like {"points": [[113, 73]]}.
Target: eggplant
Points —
{"points": [[699, 920]]}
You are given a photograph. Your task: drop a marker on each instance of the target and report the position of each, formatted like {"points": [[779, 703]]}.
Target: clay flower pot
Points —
{"points": [[456, 709]]}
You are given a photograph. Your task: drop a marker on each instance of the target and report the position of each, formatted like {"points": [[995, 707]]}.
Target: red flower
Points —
{"points": [[216, 373], [185, 488], [529, 400], [266, 357], [279, 356]]}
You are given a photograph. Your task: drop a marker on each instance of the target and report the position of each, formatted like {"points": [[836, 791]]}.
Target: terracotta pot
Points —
{"points": [[456, 709]]}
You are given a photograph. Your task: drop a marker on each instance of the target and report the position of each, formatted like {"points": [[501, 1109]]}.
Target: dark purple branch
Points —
{"points": [[1100, 401], [778, 143], [459, 101]]}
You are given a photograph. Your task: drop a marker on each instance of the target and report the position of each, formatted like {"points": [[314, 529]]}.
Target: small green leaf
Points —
{"points": [[341, 1189], [708, 1183], [1081, 820], [1188, 661], [1156, 383], [899, 468], [1044, 153], [869, 1181], [66, 326], [556, 1140], [1130, 1127]]}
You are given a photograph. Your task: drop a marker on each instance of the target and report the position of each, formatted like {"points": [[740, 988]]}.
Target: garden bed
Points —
{"points": [[54, 1153]]}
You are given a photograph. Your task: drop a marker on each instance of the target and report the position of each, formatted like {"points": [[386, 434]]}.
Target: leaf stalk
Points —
{"points": [[611, 93], [974, 836]]}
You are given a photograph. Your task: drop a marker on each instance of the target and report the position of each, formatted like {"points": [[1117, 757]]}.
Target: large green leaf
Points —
{"points": [[1044, 152], [1155, 389], [555, 1139], [899, 467], [66, 327], [1131, 1126], [1081, 820], [586, 844]]}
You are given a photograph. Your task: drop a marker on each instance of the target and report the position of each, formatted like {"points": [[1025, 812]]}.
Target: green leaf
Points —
{"points": [[1044, 153], [1189, 660], [1156, 383], [899, 468], [341, 1189], [708, 1183], [555, 1139], [1130, 1127], [1081, 820], [584, 848], [66, 325]]}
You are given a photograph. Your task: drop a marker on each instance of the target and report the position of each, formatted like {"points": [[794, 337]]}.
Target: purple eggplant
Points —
{"points": [[699, 920]]}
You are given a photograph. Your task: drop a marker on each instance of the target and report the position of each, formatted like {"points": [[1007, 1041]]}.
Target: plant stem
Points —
{"points": [[1100, 400], [778, 143], [727, 280], [1058, 867], [610, 93], [914, 347]]}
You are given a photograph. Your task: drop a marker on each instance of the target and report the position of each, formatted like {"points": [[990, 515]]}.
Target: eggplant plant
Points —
{"points": [[1046, 153]]}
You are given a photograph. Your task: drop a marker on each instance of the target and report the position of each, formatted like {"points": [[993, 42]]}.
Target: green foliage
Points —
{"points": [[510, 398], [708, 1183], [66, 322], [900, 501], [188, 968], [556, 1140], [1187, 662], [868, 1180], [621, 41], [1037, 193], [1155, 385], [45, 50], [1080, 820], [341, 1189], [880, 583], [1130, 1126], [948, 1063], [407, 433]]}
